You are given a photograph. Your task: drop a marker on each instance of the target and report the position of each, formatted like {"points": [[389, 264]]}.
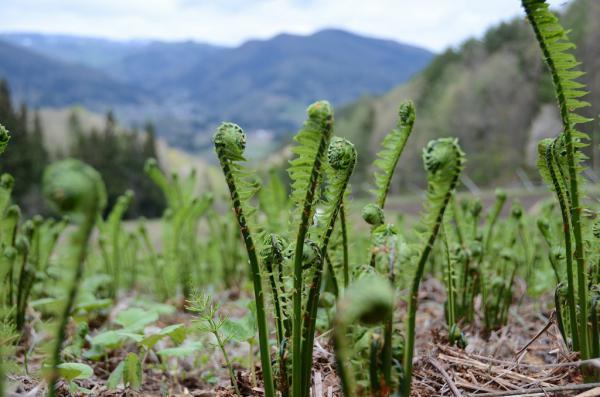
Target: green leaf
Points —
{"points": [[109, 340], [240, 330], [115, 377], [159, 308], [181, 351], [72, 371], [135, 319], [132, 371], [131, 335], [91, 304], [176, 332]]}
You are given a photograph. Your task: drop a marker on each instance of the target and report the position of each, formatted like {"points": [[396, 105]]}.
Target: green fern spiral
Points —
{"points": [[342, 157], [443, 160], [369, 300], [229, 141], [562, 64]]}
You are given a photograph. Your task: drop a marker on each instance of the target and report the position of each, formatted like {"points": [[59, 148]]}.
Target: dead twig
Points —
{"points": [[447, 377], [538, 390], [540, 333]]}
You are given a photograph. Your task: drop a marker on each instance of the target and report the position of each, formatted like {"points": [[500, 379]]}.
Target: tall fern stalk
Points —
{"points": [[368, 300], [77, 190], [230, 142], [443, 160], [547, 165], [341, 157], [4, 138], [305, 173], [555, 46]]}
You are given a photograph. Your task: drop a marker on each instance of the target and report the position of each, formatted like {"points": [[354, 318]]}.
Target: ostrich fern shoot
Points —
{"points": [[557, 51]]}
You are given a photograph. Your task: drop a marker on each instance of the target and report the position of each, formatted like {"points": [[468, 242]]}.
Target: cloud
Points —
{"points": [[435, 24]]}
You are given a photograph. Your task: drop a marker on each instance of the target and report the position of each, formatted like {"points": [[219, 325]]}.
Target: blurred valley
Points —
{"points": [[164, 99], [187, 88]]}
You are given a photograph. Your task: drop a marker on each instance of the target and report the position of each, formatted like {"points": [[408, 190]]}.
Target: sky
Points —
{"points": [[434, 24]]}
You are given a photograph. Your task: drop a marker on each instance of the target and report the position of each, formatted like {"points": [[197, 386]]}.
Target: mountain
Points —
{"points": [[156, 62], [43, 81], [282, 75], [494, 94], [89, 51], [187, 88]]}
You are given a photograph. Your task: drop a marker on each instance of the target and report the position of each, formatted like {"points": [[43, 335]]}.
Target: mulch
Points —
{"points": [[527, 357]]}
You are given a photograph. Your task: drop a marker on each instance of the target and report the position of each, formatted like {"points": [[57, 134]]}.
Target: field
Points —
{"points": [[289, 283]]}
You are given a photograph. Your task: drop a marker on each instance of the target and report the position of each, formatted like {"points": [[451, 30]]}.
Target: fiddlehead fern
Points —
{"points": [[111, 235], [341, 156], [370, 301], [392, 148], [76, 190], [230, 142], [547, 166], [557, 51], [373, 214], [443, 160], [4, 138], [305, 173]]}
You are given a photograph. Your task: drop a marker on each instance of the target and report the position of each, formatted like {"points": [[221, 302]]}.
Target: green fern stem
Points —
{"points": [[443, 161], [547, 152], [369, 301], [229, 144], [345, 257], [321, 114], [77, 190], [339, 149], [547, 37]]}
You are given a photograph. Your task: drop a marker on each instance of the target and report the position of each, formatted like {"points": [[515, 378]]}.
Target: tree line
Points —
{"points": [[118, 154]]}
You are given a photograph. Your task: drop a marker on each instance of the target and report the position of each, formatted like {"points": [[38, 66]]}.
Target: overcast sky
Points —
{"points": [[434, 24]]}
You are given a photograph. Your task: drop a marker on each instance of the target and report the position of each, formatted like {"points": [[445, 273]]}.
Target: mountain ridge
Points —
{"points": [[187, 88]]}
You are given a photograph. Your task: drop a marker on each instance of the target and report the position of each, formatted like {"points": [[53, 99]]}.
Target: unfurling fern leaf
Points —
{"points": [[557, 50], [392, 148], [443, 160], [548, 166], [369, 300], [305, 174], [230, 142], [76, 190], [341, 157], [4, 138]]}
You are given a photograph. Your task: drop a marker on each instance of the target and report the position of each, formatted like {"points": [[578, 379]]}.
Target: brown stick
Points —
{"points": [[447, 377], [537, 390], [544, 329]]}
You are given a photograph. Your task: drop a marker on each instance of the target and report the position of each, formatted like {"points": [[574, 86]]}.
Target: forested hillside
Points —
{"points": [[493, 94]]}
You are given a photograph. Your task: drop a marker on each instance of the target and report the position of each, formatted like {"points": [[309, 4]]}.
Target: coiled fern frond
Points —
{"points": [[369, 300], [305, 172], [230, 142], [4, 138], [392, 148], [75, 189], [557, 51], [342, 157], [443, 160], [310, 148]]}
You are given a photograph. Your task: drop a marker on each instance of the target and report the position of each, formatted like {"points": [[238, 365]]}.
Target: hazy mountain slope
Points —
{"points": [[156, 63], [89, 51], [489, 93], [42, 81], [188, 88], [282, 75]]}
